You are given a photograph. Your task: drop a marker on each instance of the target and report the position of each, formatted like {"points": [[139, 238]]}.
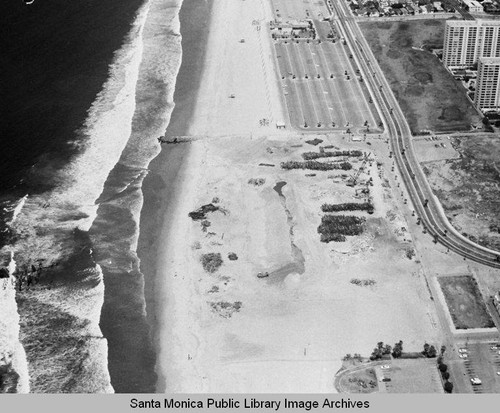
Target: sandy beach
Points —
{"points": [[228, 330]]}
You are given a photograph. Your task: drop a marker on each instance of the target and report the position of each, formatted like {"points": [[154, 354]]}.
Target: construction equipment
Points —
{"points": [[354, 178]]}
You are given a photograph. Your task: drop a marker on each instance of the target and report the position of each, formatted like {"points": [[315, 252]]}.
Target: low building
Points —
{"points": [[437, 6], [411, 8], [474, 6]]}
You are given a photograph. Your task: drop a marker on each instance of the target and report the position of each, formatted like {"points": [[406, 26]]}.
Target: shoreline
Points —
{"points": [[164, 181], [173, 288]]}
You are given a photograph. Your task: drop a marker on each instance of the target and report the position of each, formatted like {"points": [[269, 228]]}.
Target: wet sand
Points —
{"points": [[164, 182]]}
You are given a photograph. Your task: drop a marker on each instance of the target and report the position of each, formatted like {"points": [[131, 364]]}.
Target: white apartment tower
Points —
{"points": [[466, 41], [487, 95]]}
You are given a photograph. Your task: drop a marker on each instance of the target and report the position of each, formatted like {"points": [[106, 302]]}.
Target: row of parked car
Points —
{"points": [[463, 353]]}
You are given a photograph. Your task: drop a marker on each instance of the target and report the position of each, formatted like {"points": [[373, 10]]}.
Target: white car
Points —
{"points": [[498, 373], [494, 347], [475, 381], [463, 355], [462, 350], [385, 367]]}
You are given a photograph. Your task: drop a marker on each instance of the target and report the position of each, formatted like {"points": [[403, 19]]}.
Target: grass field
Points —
{"points": [[465, 302], [427, 93]]}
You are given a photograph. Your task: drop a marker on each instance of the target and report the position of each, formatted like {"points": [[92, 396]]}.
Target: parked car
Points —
{"points": [[385, 366], [476, 381], [462, 350]]}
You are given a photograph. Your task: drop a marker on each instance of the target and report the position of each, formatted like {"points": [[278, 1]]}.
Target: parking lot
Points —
{"points": [[482, 361], [322, 87], [409, 376]]}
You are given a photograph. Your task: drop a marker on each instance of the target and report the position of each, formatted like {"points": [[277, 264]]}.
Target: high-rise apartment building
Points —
{"points": [[487, 95], [466, 41]]}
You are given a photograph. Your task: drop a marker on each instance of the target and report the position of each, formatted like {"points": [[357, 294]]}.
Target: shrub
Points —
{"points": [[364, 283], [232, 256], [201, 213], [211, 262], [315, 155], [9, 379], [204, 225], [448, 387], [411, 355], [257, 181], [336, 227], [316, 165], [348, 206], [410, 253]]}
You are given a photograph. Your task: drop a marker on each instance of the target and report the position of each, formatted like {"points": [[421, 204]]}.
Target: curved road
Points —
{"points": [[427, 206]]}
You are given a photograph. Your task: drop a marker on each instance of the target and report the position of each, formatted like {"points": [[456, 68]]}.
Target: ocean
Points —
{"points": [[87, 87]]}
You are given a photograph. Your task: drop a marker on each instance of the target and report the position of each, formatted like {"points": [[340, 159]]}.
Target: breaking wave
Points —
{"points": [[86, 229]]}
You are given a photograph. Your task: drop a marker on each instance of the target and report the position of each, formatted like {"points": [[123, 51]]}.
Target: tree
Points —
{"points": [[429, 351], [446, 375], [377, 353], [443, 368], [487, 125], [432, 352], [387, 349], [448, 387], [398, 349], [443, 349]]}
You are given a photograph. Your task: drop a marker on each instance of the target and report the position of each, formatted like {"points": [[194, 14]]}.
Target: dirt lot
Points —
{"points": [[469, 187], [465, 302], [282, 313], [426, 92]]}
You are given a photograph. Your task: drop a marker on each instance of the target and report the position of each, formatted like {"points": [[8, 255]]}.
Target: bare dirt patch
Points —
{"points": [[319, 300], [465, 302], [469, 187], [429, 96]]}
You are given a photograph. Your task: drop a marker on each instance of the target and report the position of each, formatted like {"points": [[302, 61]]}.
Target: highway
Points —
{"points": [[427, 206]]}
